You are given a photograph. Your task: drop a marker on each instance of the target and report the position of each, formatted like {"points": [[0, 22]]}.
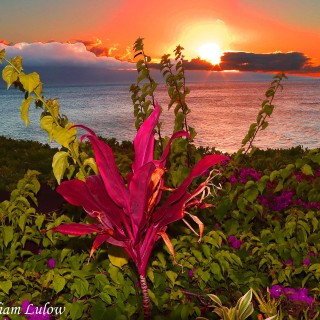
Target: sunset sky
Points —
{"points": [[254, 35]]}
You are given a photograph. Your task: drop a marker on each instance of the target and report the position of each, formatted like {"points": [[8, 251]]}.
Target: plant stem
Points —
{"points": [[146, 299]]}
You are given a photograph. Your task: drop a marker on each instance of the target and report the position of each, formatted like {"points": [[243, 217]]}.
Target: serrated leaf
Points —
{"points": [[24, 109], [9, 75], [29, 81], [60, 164], [118, 257]]}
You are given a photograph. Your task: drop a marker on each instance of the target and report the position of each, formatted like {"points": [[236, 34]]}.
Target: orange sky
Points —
{"points": [[256, 26]]}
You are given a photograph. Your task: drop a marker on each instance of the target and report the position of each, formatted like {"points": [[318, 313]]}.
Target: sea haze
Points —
{"points": [[222, 108]]}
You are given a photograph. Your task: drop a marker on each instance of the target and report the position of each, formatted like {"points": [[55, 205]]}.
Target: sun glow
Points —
{"points": [[210, 52]]}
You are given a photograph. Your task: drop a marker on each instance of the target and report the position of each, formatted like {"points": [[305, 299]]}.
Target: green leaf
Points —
{"points": [[105, 297], [100, 281], [9, 75], [60, 164], [24, 108], [215, 299], [39, 221], [22, 221], [81, 287], [307, 170], [251, 194], [101, 312], [244, 304], [118, 257], [76, 310], [7, 232], [58, 283], [153, 297], [29, 81], [5, 286], [172, 276]]}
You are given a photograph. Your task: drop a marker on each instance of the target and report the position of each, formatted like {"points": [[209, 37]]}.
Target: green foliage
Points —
{"points": [[267, 108], [55, 124]]}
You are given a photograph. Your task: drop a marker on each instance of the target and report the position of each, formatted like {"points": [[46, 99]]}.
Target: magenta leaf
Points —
{"points": [[144, 141], [77, 229]]}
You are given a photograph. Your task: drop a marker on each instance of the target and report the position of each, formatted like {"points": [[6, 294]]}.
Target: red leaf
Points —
{"points": [[76, 229], [144, 141], [111, 177]]}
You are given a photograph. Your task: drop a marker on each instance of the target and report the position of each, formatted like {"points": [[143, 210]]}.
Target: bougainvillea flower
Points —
{"points": [[127, 213]]}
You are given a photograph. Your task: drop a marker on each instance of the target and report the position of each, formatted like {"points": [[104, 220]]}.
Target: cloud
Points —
{"points": [[278, 61], [64, 54]]}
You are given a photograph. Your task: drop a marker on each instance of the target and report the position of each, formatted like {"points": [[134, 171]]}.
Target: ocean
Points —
{"points": [[221, 112]]}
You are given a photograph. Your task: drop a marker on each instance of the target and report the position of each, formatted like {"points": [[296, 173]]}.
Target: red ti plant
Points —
{"points": [[127, 213]]}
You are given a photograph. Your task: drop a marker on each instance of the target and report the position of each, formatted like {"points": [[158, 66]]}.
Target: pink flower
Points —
{"points": [[51, 263], [306, 262]]}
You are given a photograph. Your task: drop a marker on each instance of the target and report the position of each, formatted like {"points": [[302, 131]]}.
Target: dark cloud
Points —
{"points": [[246, 61]]}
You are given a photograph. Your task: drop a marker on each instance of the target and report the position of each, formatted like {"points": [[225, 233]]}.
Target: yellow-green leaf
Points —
{"points": [[66, 135], [24, 108], [60, 164], [46, 123], [2, 55], [17, 63], [118, 257], [29, 81], [5, 286], [307, 170], [92, 164], [38, 89], [53, 106], [9, 75], [58, 283]]}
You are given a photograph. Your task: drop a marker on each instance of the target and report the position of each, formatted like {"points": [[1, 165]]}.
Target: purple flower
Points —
{"points": [[233, 179], [276, 291], [288, 262], [191, 272], [306, 262], [39, 250], [235, 243], [231, 239], [51, 263]]}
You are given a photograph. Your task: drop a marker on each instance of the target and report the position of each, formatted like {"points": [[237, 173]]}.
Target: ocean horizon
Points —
{"points": [[222, 108]]}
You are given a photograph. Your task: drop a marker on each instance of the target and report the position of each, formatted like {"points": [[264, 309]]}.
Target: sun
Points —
{"points": [[210, 52]]}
